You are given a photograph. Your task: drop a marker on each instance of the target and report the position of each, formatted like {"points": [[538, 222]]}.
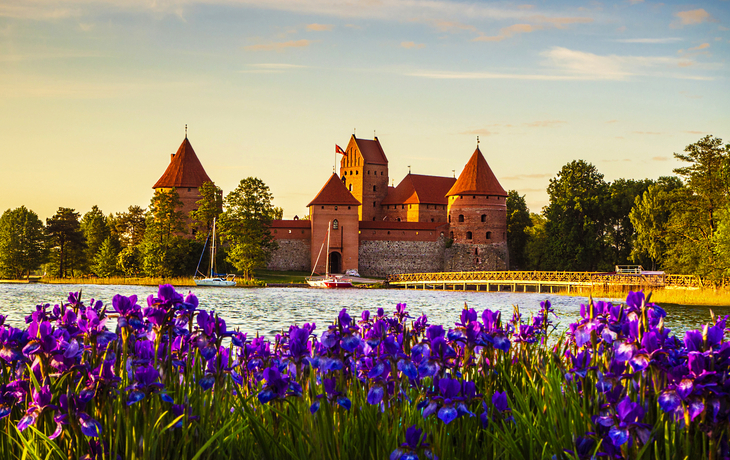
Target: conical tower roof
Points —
{"points": [[184, 170], [334, 192], [477, 178]]}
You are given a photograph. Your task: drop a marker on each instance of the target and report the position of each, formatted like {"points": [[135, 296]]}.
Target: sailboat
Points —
{"points": [[328, 280], [213, 278]]}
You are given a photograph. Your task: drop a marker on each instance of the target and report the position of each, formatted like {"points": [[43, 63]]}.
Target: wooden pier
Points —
{"points": [[540, 281]]}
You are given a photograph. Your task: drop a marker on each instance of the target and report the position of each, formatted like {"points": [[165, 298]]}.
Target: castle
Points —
{"points": [[425, 224]]}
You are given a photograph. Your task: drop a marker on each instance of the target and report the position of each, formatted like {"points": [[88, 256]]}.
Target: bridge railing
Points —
{"points": [[550, 277]]}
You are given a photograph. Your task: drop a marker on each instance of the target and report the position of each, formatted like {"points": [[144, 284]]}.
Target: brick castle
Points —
{"points": [[425, 224]]}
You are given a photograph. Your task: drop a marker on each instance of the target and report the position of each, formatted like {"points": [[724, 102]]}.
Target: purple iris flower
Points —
{"points": [[12, 342], [130, 314], [41, 401], [415, 442], [332, 396], [277, 386], [145, 383]]}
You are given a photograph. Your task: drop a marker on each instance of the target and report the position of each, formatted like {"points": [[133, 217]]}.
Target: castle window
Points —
{"points": [[302, 232], [335, 224], [476, 251], [276, 231], [344, 179], [388, 232], [399, 219], [335, 208], [189, 189], [484, 217], [373, 204], [432, 219], [449, 218], [289, 231], [348, 207], [322, 207], [451, 235], [403, 206], [468, 235], [373, 219], [368, 172], [356, 172], [461, 217], [489, 235], [473, 197], [381, 173], [442, 233], [350, 187], [375, 188]]}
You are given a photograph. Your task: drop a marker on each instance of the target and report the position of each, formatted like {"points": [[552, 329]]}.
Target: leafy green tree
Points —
{"points": [[96, 230], [164, 250], [518, 220], [208, 207], [129, 227], [650, 219], [695, 218], [245, 225], [66, 242], [622, 195], [22, 243], [536, 246], [575, 218], [106, 260]]}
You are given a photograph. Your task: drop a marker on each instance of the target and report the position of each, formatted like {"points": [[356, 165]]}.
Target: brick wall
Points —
{"points": [[293, 254], [476, 257], [380, 258]]}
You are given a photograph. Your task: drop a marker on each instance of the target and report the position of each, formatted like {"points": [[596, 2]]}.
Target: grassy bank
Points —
{"points": [[707, 297], [139, 281]]}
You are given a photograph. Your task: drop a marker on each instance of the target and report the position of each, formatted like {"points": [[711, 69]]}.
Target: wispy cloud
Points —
{"points": [[649, 40], [696, 132], [612, 121], [279, 46], [320, 27], [544, 123], [699, 47], [561, 22], [507, 32], [692, 17], [411, 45]]}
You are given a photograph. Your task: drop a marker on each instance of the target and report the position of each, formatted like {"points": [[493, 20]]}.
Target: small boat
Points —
{"points": [[213, 278], [328, 280]]}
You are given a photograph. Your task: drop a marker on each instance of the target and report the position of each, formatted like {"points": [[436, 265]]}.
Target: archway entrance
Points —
{"points": [[335, 262]]}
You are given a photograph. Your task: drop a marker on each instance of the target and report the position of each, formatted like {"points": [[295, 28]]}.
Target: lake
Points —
{"points": [[269, 310]]}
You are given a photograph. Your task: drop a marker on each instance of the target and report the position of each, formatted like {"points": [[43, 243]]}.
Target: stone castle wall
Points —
{"points": [[381, 258], [292, 255], [476, 257]]}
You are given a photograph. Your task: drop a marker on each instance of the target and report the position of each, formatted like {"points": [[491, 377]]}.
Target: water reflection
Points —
{"points": [[267, 311]]}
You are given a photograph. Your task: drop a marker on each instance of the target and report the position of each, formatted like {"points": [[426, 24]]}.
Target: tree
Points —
{"points": [[129, 227], [22, 243], [575, 218], [650, 218], [208, 207], [518, 220], [66, 241], [245, 225], [694, 220], [622, 195], [164, 250], [96, 230], [106, 260], [536, 245]]}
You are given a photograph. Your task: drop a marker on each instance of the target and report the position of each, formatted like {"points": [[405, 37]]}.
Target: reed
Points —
{"points": [[677, 296]]}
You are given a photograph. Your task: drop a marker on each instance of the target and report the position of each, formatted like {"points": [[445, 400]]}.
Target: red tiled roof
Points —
{"points": [[477, 178], [417, 188], [371, 150], [290, 224], [184, 170], [334, 192], [394, 225]]}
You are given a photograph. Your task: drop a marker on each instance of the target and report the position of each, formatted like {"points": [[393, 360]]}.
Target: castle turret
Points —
{"points": [[364, 172], [335, 208], [185, 174]]}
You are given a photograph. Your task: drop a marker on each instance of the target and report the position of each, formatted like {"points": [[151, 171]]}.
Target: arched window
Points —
{"points": [[484, 217], [356, 172], [373, 204], [335, 208], [476, 251], [399, 219], [344, 179], [432, 219], [449, 218], [335, 224], [461, 217], [375, 189], [489, 235], [468, 235], [350, 187]]}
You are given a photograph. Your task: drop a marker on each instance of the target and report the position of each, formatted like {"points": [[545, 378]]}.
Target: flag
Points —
{"points": [[338, 149]]}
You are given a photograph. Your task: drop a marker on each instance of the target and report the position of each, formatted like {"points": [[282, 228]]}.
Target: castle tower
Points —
{"points": [[185, 174], [477, 206], [364, 172], [334, 207]]}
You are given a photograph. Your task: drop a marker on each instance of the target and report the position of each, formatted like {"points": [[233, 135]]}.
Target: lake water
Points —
{"points": [[269, 310]]}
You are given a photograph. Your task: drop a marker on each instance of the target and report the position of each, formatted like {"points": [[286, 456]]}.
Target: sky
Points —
{"points": [[95, 94]]}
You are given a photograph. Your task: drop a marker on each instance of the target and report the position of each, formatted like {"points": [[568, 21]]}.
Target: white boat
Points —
{"points": [[213, 278], [329, 281]]}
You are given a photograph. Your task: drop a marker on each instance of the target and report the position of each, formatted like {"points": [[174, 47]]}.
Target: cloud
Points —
{"points": [[279, 46], [621, 29], [695, 132], [612, 121], [660, 158], [699, 47], [649, 40], [507, 32], [320, 27], [561, 22], [692, 17], [526, 7], [544, 123], [411, 45], [478, 132]]}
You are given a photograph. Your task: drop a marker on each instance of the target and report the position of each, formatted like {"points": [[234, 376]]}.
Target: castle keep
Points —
{"points": [[424, 224]]}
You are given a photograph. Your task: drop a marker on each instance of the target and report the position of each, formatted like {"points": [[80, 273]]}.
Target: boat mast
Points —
{"points": [[327, 260], [212, 250]]}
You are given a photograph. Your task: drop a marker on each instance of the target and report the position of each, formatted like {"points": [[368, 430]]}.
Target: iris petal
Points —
{"points": [[447, 414], [375, 395]]}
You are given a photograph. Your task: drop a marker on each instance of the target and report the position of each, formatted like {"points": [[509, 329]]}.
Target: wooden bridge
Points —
{"points": [[540, 281]]}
